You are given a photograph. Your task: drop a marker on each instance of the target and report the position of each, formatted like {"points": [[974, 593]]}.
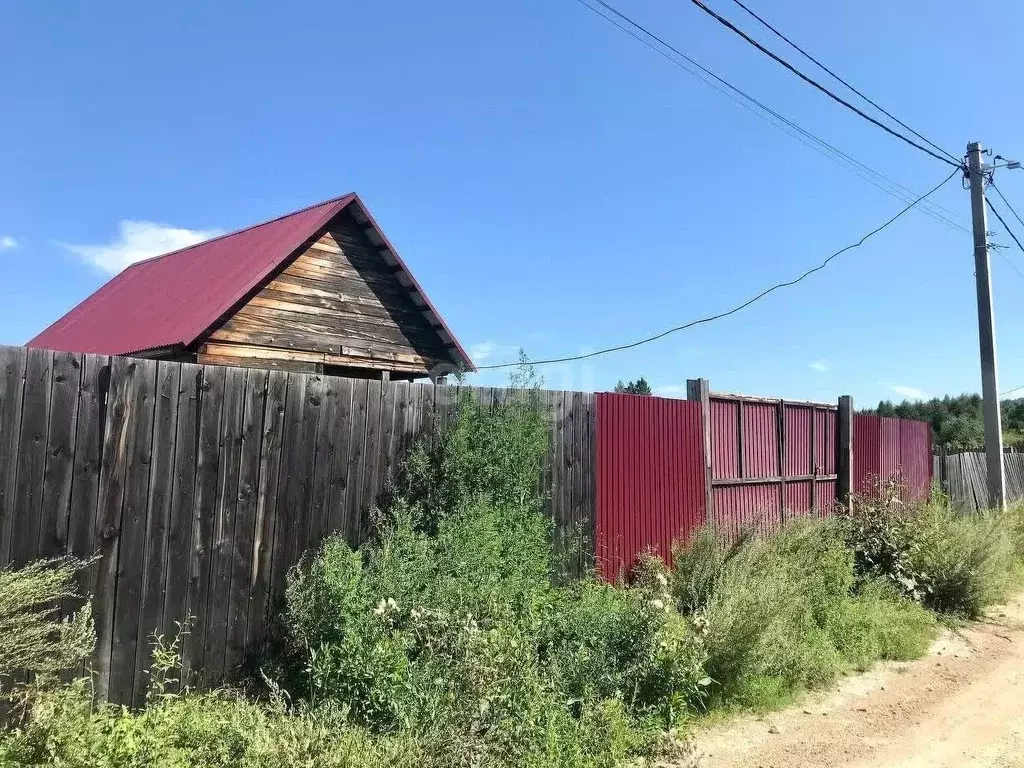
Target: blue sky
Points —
{"points": [[552, 183]]}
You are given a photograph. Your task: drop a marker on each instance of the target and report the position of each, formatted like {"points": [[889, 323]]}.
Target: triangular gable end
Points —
{"points": [[343, 302]]}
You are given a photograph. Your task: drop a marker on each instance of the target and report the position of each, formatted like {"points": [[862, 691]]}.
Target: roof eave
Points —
{"points": [[460, 355]]}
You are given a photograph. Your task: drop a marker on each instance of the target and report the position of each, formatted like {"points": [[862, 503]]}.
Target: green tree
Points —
{"points": [[638, 387], [957, 422]]}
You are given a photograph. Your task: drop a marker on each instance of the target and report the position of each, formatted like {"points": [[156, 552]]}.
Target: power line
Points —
{"points": [[763, 111], [811, 81], [1009, 232], [1010, 391], [1003, 222], [739, 307], [1003, 198], [1003, 256], [877, 106]]}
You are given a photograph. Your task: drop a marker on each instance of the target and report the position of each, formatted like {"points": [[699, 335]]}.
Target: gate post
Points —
{"points": [[844, 452], [699, 391]]}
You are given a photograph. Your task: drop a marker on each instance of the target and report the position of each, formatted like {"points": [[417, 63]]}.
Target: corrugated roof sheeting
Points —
{"points": [[825, 441], [725, 457], [798, 497], [867, 466], [760, 439], [826, 497], [173, 299], [889, 447], [916, 458], [884, 448], [798, 440], [650, 477], [742, 506]]}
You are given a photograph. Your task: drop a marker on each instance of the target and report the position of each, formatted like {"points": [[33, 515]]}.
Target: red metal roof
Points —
{"points": [[174, 299]]}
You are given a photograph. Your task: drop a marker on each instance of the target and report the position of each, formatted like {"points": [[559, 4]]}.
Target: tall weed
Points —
{"points": [[34, 637]]}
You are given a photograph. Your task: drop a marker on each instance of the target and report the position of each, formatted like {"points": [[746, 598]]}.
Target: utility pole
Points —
{"points": [[986, 332]]}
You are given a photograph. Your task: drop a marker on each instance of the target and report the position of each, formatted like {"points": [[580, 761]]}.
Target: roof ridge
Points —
{"points": [[240, 231]]}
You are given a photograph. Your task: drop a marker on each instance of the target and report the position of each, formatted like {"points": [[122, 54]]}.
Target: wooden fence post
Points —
{"points": [[699, 391], [844, 451]]}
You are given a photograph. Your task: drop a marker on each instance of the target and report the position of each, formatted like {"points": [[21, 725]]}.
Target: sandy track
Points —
{"points": [[962, 705]]}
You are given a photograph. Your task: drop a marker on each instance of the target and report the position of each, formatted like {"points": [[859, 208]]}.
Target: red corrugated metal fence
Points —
{"points": [[884, 448], [650, 477]]}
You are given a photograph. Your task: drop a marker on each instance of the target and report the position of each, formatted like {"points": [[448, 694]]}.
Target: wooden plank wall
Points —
{"points": [[964, 478], [200, 485]]}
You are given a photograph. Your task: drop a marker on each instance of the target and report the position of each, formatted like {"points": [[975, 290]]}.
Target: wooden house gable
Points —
{"points": [[338, 304]]}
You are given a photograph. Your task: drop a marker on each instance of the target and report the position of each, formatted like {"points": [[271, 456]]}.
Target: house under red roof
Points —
{"points": [[320, 289]]}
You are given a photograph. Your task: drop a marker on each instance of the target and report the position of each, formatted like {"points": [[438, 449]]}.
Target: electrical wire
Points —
{"points": [[877, 106], [738, 307], [811, 81], [1003, 198], [1003, 222], [1010, 391], [769, 115], [1003, 256]]}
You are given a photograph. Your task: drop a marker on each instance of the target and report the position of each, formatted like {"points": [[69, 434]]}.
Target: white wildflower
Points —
{"points": [[662, 579], [658, 604]]}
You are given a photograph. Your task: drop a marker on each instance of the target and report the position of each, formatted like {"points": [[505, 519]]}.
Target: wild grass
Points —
{"points": [[780, 613]]}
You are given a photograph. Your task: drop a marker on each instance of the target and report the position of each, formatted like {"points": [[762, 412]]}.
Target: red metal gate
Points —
{"points": [[650, 477], [770, 457]]}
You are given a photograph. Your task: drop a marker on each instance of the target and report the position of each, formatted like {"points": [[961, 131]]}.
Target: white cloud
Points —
{"points": [[8, 243], [138, 240], [478, 353], [821, 366], [911, 393], [670, 390]]}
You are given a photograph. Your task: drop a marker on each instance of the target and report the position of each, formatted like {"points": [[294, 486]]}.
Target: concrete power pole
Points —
{"points": [[986, 332]]}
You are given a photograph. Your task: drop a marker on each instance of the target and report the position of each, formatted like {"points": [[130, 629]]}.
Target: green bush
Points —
{"points": [[186, 730], [450, 627], [966, 561], [878, 529]]}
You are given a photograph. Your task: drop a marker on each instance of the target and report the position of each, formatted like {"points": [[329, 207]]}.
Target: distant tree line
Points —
{"points": [[957, 422], [638, 387]]}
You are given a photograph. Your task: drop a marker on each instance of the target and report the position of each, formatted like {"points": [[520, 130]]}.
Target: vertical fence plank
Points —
{"points": [[341, 465], [327, 436], [357, 460], [290, 481], [12, 390], [158, 512], [266, 507], [178, 548], [222, 550], [204, 510], [108, 514], [132, 547], [59, 471], [28, 488], [394, 402], [91, 418], [371, 450], [303, 456], [244, 534]]}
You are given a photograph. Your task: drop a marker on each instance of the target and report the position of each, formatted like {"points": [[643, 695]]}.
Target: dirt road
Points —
{"points": [[962, 705]]}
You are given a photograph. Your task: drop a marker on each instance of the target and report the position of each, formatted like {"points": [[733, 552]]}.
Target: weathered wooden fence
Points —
{"points": [[200, 485], [964, 479]]}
